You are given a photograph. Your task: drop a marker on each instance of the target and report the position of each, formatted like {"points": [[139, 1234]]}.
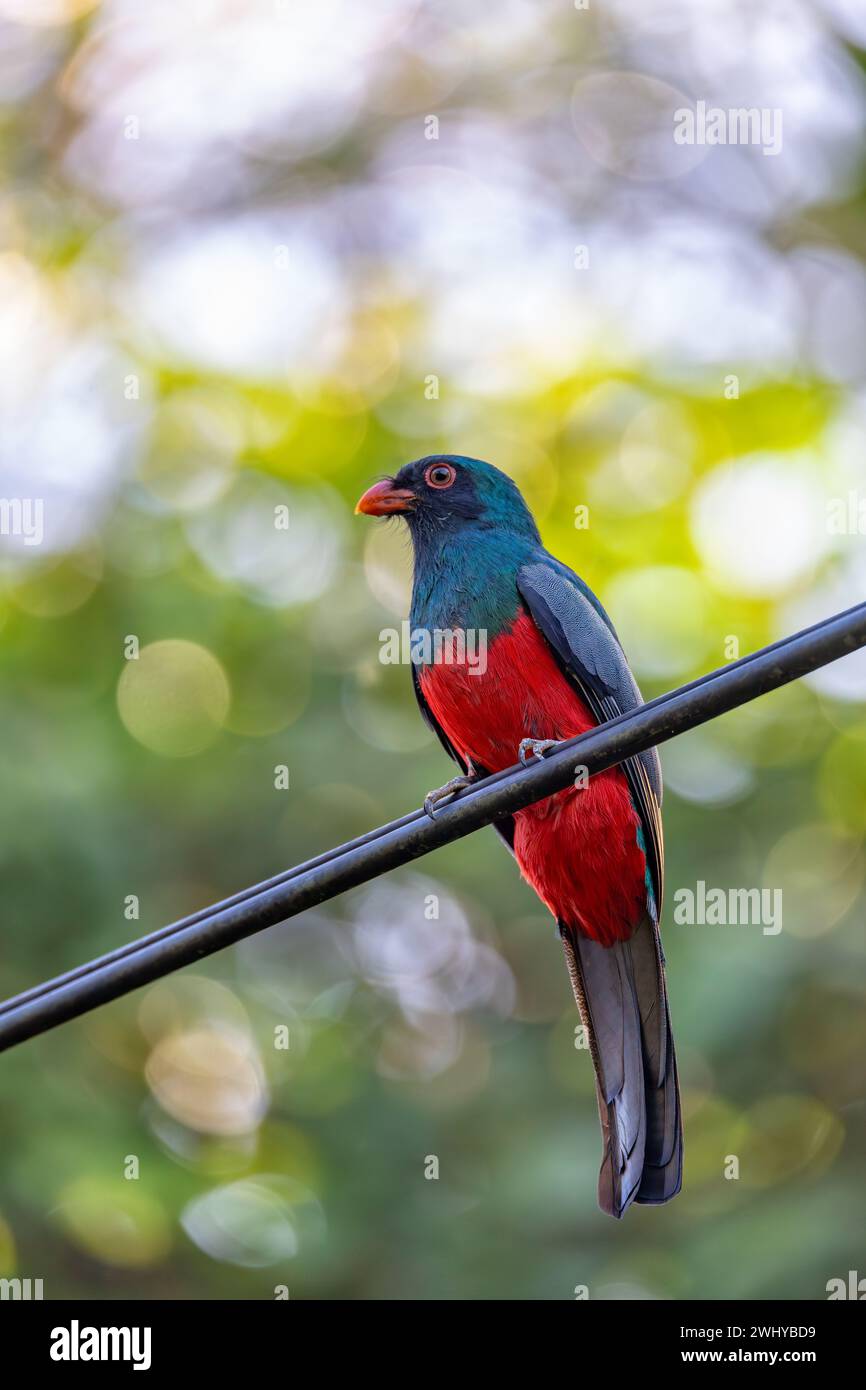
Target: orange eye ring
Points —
{"points": [[440, 475]]}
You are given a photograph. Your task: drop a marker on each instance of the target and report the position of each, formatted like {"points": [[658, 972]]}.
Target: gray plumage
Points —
{"points": [[621, 991]]}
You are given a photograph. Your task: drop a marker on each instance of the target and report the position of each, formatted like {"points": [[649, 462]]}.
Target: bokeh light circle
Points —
{"points": [[174, 698], [759, 524]]}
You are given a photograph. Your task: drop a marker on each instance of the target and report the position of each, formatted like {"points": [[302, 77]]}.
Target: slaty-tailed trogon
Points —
{"points": [[593, 853]]}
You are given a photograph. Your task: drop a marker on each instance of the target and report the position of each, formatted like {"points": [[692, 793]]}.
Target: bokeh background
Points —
{"points": [[253, 256]]}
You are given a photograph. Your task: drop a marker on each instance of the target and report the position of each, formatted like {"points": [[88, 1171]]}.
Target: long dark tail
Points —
{"points": [[622, 998]]}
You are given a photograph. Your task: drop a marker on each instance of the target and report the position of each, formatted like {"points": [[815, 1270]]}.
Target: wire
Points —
{"points": [[129, 948], [401, 841]]}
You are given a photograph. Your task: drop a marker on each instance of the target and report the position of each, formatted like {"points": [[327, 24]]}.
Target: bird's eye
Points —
{"points": [[440, 475]]}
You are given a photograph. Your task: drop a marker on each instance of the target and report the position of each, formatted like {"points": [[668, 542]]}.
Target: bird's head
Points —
{"points": [[445, 493]]}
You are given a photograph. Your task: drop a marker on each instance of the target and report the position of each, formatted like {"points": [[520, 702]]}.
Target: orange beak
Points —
{"points": [[384, 499]]}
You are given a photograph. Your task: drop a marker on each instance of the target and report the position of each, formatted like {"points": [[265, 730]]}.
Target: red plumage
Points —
{"points": [[578, 849]]}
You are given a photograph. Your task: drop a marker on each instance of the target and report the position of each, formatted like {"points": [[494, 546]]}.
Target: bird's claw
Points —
{"points": [[535, 748], [439, 794]]}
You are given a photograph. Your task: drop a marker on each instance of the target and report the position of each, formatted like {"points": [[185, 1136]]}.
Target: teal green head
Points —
{"points": [[471, 530], [444, 494]]}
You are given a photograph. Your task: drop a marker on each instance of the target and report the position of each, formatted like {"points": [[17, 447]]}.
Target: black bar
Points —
{"points": [[218, 1339]]}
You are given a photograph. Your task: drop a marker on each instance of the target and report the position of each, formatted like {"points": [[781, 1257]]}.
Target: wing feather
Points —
{"points": [[588, 650]]}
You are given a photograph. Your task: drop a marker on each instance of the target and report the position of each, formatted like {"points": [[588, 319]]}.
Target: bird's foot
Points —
{"points": [[440, 794], [535, 748]]}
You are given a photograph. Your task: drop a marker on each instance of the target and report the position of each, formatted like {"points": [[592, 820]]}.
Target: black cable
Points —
{"points": [[130, 947], [403, 840]]}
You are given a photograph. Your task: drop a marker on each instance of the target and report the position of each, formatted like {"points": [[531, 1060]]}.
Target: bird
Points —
{"points": [[594, 853]]}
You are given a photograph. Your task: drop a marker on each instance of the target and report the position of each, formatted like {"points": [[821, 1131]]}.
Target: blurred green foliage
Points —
{"points": [[171, 646]]}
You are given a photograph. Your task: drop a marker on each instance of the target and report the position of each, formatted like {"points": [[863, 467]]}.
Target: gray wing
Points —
{"points": [[621, 991], [586, 645]]}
